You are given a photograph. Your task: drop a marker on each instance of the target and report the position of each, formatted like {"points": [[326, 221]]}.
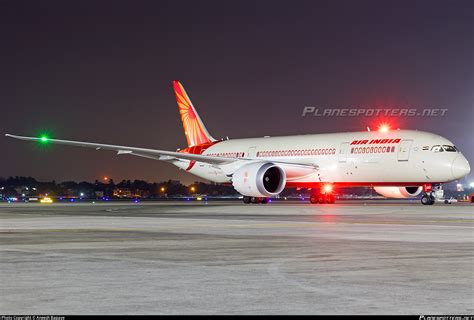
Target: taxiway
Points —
{"points": [[230, 258]]}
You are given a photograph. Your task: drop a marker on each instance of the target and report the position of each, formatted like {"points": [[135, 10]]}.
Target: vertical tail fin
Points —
{"points": [[195, 131]]}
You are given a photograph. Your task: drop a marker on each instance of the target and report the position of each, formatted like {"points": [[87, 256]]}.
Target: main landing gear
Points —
{"points": [[322, 198], [248, 199], [427, 199]]}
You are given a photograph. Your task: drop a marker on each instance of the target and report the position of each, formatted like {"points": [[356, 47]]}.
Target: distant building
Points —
{"points": [[122, 193]]}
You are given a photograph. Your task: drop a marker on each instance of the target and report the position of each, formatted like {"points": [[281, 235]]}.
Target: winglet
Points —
{"points": [[21, 137]]}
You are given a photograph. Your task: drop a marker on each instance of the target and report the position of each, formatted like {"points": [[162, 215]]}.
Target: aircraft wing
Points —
{"points": [[142, 152], [156, 154]]}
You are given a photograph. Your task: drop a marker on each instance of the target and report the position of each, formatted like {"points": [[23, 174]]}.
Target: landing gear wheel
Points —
{"points": [[432, 199], [246, 200], [265, 200], [313, 199], [255, 200], [427, 200], [322, 198]]}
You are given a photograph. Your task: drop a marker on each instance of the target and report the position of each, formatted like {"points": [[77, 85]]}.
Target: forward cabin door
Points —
{"points": [[404, 150], [252, 153], [343, 151]]}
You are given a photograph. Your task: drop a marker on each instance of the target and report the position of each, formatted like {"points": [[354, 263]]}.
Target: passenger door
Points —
{"points": [[252, 152], [343, 149], [404, 150]]}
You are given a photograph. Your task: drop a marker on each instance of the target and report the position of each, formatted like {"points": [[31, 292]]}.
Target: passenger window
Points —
{"points": [[449, 148], [437, 149]]}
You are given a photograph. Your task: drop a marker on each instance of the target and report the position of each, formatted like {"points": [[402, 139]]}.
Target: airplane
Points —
{"points": [[396, 163]]}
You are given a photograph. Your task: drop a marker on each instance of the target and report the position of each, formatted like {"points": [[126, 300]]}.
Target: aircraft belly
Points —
{"points": [[208, 172]]}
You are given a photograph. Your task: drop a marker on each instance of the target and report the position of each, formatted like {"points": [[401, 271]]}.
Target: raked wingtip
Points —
{"points": [[11, 135]]}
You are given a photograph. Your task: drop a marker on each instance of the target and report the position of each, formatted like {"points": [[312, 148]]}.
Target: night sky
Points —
{"points": [[100, 71]]}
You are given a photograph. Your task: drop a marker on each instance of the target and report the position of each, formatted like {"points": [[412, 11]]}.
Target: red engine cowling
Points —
{"points": [[399, 192]]}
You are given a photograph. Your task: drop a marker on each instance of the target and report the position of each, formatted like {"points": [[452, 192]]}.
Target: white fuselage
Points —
{"points": [[398, 157]]}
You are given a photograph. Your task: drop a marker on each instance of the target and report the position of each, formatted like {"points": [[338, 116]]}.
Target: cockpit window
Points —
{"points": [[437, 148], [449, 148]]}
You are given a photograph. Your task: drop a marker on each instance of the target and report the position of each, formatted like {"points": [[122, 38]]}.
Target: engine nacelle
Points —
{"points": [[399, 192], [259, 179]]}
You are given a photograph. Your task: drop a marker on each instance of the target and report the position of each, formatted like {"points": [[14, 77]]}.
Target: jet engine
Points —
{"points": [[259, 179], [399, 192]]}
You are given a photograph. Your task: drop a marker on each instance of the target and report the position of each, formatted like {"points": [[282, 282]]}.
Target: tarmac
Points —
{"points": [[229, 258]]}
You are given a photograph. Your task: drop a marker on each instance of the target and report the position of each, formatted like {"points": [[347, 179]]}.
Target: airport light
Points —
{"points": [[46, 200], [193, 189], [162, 189]]}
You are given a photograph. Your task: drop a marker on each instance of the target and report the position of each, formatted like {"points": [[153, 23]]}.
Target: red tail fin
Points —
{"points": [[195, 131]]}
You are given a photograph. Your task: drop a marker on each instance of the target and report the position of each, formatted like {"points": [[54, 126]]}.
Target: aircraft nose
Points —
{"points": [[460, 167]]}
